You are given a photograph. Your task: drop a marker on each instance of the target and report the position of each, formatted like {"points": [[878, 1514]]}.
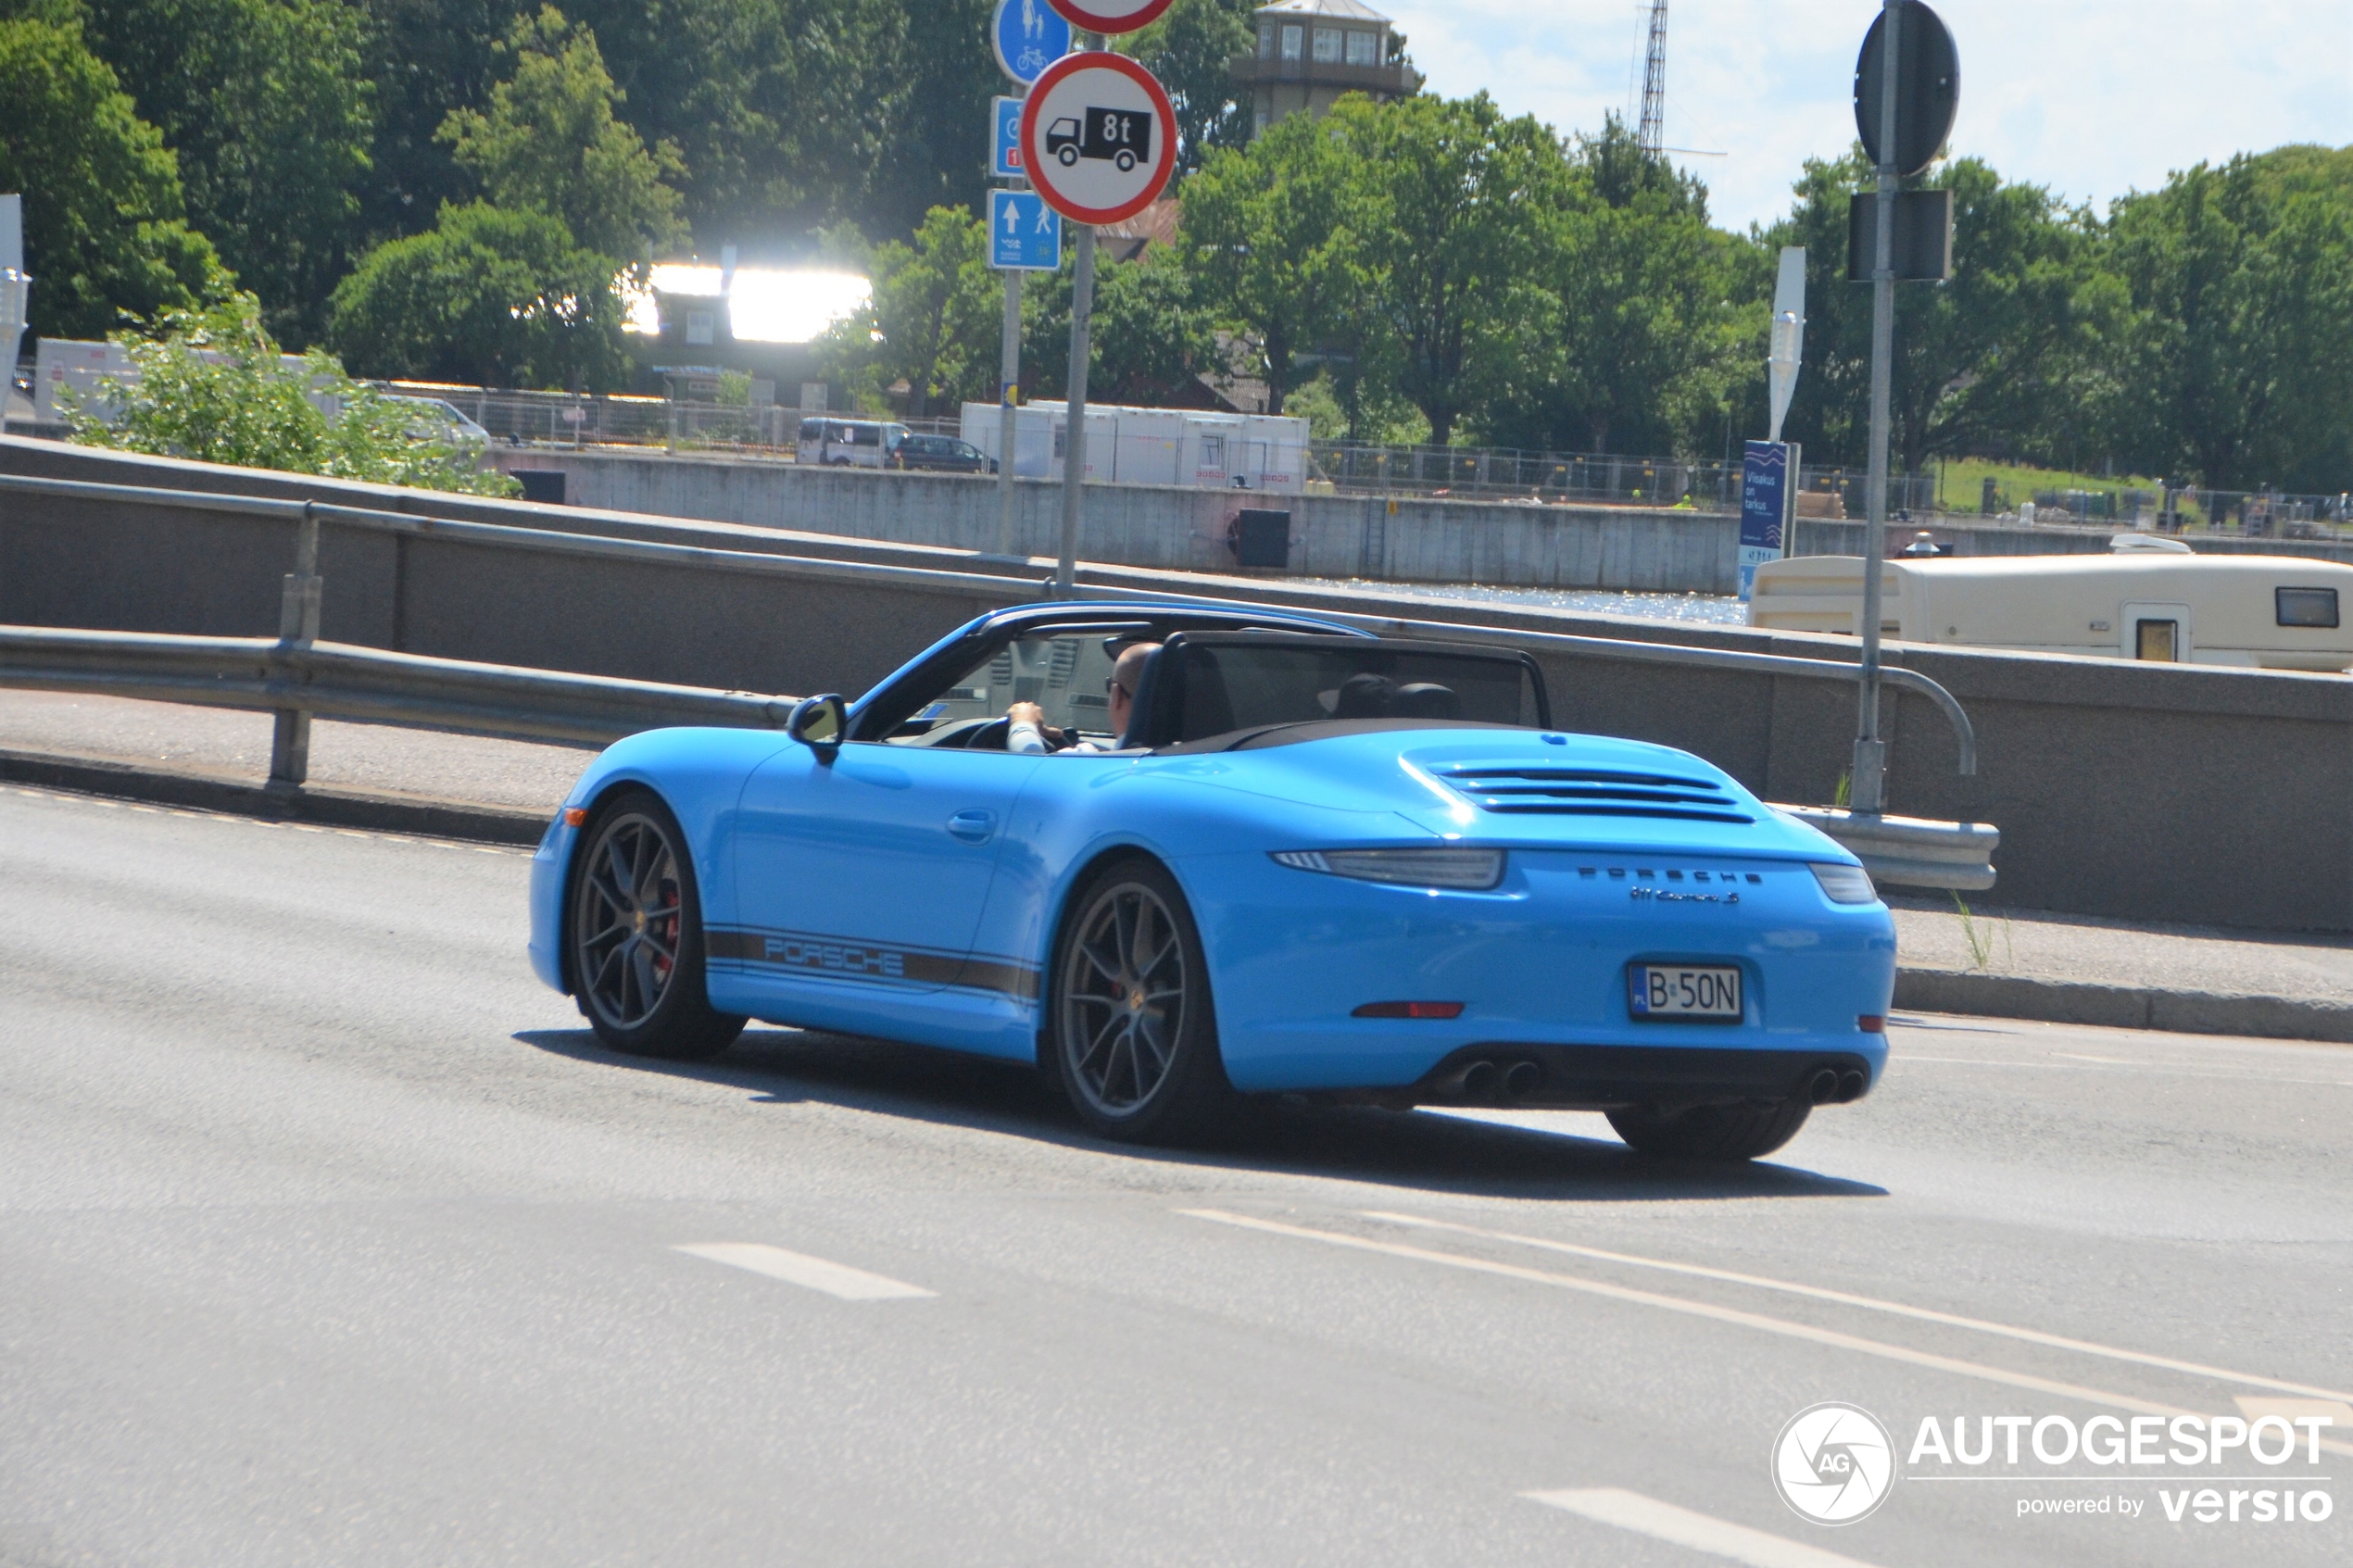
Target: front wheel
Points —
{"points": [[636, 937], [1131, 1032], [1711, 1132]]}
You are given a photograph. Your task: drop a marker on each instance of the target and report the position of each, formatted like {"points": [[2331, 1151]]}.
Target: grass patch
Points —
{"points": [[1960, 483]]}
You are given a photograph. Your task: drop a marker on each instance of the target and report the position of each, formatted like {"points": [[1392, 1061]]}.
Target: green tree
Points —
{"points": [[1451, 194], [550, 140], [1630, 342], [1267, 235], [211, 386], [426, 57], [267, 107], [490, 297], [106, 230], [1148, 336], [2229, 359], [935, 320], [1192, 50], [2004, 358]]}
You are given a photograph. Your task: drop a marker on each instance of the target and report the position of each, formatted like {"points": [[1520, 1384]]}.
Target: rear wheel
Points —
{"points": [[1131, 1031], [636, 937], [1711, 1132]]}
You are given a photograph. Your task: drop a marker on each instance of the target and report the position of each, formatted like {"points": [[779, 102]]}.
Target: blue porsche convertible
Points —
{"points": [[1177, 855]]}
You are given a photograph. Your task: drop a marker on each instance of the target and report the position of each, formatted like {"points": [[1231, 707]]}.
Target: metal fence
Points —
{"points": [[2245, 514], [557, 419], [1502, 473]]}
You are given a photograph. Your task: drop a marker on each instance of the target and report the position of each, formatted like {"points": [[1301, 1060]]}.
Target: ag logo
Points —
{"points": [[1833, 1464]]}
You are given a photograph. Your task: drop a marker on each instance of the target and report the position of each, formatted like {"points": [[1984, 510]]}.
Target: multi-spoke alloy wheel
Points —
{"points": [[1133, 1037], [637, 938], [629, 918]]}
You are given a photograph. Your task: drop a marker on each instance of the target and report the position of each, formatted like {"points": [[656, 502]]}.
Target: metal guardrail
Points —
{"points": [[296, 676], [338, 680]]}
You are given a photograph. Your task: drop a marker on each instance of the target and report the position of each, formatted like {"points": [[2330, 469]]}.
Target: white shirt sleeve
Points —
{"points": [[1025, 738]]}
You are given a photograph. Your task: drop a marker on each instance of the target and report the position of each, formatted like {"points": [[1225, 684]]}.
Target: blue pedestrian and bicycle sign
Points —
{"points": [[1025, 234], [1029, 36]]}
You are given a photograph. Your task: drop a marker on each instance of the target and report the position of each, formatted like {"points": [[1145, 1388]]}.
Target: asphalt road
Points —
{"points": [[328, 1237]]}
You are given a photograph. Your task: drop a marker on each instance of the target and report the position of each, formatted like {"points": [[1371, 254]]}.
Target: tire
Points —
{"points": [[1126, 162], [632, 927], [1711, 1132], [1131, 1033], [1067, 158]]}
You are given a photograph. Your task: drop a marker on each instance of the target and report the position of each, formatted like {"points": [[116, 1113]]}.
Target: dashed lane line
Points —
{"points": [[1872, 1303], [811, 1273], [1786, 1328], [1681, 1526]]}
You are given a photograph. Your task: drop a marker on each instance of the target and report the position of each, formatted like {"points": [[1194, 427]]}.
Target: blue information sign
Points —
{"points": [[1004, 155], [1029, 36], [1025, 234], [1768, 482]]}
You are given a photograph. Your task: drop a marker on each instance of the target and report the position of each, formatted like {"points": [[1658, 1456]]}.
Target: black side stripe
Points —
{"points": [[841, 959]]}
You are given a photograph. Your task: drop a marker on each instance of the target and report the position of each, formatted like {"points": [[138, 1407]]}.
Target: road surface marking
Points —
{"points": [[1681, 1526], [1782, 1327], [1949, 1319], [798, 1268]]}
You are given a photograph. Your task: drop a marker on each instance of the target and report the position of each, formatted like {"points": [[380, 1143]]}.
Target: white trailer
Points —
{"points": [[1128, 446]]}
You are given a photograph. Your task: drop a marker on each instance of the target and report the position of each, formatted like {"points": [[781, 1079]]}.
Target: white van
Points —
{"points": [[2144, 601], [848, 444]]}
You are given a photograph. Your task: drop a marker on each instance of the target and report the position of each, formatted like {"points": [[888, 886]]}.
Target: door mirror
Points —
{"points": [[820, 722]]}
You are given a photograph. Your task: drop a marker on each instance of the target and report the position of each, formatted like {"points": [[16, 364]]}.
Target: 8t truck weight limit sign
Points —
{"points": [[1098, 137], [1124, 137]]}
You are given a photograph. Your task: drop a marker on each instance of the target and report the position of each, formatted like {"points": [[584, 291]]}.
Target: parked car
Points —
{"points": [[943, 453], [1317, 863], [848, 444]]}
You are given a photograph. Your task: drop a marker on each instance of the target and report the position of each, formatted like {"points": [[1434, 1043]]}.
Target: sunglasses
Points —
{"points": [[1111, 685]]}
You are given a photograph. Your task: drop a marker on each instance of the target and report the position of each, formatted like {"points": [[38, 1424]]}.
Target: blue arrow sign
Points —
{"points": [[1029, 36], [1004, 157], [1025, 234]]}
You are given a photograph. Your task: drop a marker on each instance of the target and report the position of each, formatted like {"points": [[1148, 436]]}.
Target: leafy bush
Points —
{"points": [[213, 387]]}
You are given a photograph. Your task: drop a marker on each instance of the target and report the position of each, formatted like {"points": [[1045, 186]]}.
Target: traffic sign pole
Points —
{"points": [[1868, 790], [1082, 312]]}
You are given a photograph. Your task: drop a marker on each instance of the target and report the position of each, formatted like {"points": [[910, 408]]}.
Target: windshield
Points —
{"points": [[1067, 675], [1223, 686]]}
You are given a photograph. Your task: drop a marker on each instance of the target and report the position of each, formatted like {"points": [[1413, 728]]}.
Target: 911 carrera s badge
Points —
{"points": [[1667, 896]]}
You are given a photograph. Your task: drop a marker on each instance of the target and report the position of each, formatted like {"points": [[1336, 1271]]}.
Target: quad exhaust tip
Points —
{"points": [[1487, 1081]]}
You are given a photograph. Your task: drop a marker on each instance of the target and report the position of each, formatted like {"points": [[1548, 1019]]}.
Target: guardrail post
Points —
{"points": [[297, 628]]}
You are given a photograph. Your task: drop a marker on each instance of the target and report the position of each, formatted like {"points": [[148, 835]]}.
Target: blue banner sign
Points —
{"points": [[1025, 234], [1767, 485], [1004, 153], [1029, 36]]}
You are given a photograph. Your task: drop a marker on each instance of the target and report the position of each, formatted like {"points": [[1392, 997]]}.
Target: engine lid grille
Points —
{"points": [[1597, 791]]}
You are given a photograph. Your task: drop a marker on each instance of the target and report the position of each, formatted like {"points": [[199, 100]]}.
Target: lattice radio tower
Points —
{"points": [[1652, 133]]}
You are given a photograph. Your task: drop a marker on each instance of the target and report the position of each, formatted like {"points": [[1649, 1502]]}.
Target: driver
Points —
{"points": [[1027, 733]]}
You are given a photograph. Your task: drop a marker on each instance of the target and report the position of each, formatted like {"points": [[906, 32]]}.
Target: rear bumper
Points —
{"points": [[1608, 1077]]}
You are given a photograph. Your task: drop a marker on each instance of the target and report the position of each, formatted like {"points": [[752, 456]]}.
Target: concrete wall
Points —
{"points": [[2144, 791], [1401, 540]]}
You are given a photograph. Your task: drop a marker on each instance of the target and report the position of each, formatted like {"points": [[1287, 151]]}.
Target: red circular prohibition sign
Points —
{"points": [[1164, 163], [1128, 18]]}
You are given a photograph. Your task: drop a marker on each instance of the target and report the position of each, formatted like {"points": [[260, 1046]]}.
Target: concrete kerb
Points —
{"points": [[2122, 1007], [368, 810]]}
